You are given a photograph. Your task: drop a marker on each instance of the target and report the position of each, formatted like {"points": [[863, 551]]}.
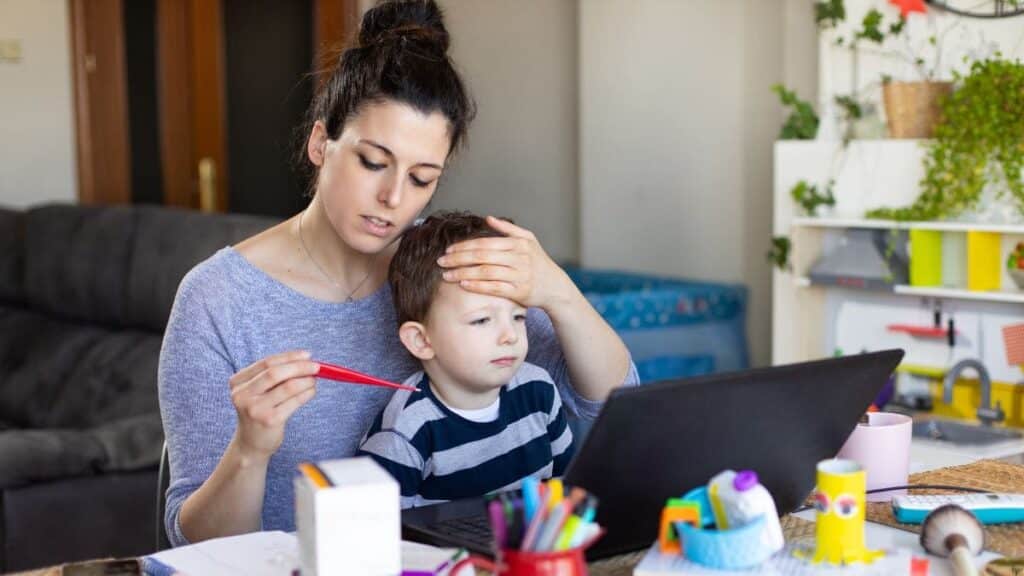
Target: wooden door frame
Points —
{"points": [[209, 94], [174, 103], [103, 152], [191, 92], [191, 98], [334, 23]]}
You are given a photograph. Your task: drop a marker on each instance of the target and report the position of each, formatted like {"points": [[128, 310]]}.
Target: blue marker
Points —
{"points": [[586, 525], [531, 497], [591, 510]]}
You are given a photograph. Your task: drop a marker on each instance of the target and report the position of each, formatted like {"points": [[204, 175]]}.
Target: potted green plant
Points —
{"points": [[912, 107], [978, 149]]}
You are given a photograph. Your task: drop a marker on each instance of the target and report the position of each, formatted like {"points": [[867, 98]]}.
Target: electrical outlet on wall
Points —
{"points": [[10, 51]]}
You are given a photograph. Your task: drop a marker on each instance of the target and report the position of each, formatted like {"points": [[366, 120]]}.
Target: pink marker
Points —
{"points": [[342, 374]]}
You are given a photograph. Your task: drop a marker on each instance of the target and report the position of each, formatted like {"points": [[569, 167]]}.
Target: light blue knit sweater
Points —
{"points": [[229, 314]]}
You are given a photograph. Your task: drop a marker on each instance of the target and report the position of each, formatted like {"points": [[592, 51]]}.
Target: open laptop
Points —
{"points": [[660, 440]]}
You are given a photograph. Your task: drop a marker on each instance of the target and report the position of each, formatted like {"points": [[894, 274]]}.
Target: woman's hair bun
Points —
{"points": [[405, 21]]}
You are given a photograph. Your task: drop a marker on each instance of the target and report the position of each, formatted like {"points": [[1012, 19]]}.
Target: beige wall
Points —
{"points": [[677, 124], [37, 161], [519, 59], [633, 134]]}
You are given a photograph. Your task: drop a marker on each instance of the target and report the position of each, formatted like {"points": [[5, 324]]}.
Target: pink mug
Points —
{"points": [[882, 448]]}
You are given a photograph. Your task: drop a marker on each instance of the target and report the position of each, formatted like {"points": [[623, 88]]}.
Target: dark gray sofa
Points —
{"points": [[84, 297]]}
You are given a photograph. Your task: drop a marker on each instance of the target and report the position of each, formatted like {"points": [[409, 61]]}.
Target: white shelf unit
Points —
{"points": [[1009, 296], [867, 175], [803, 222]]}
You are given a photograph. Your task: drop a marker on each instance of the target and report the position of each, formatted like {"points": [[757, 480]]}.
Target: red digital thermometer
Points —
{"points": [[341, 374]]}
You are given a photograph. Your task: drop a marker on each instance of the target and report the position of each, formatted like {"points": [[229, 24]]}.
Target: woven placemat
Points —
{"points": [[991, 475], [792, 528]]}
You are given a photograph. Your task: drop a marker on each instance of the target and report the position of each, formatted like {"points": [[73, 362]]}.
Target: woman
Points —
{"points": [[240, 404]]}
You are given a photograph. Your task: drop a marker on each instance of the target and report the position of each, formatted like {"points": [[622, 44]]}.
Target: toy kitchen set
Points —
{"points": [[950, 293]]}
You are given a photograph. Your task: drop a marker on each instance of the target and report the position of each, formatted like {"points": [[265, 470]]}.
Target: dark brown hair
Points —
{"points": [[414, 274], [400, 54]]}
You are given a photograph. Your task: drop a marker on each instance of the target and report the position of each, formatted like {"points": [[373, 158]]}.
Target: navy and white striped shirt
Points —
{"points": [[437, 455]]}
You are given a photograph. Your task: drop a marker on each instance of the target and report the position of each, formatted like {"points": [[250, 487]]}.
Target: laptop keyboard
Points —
{"points": [[470, 529]]}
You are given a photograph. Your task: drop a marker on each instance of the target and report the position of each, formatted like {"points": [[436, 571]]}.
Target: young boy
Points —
{"points": [[483, 418]]}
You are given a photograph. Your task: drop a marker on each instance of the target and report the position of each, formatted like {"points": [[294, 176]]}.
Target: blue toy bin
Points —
{"points": [[674, 328], [738, 548]]}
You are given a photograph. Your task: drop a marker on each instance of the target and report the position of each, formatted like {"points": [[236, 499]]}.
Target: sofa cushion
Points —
{"points": [[120, 265], [48, 523], [12, 257], [124, 445], [76, 261], [28, 456], [60, 374], [168, 243]]}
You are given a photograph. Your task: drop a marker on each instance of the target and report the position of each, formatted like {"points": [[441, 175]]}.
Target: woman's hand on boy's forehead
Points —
{"points": [[514, 266]]}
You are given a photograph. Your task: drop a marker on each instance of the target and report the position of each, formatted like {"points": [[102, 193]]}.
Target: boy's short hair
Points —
{"points": [[414, 273]]}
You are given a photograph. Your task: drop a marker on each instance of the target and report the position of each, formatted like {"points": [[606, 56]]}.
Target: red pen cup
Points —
{"points": [[519, 563], [514, 562]]}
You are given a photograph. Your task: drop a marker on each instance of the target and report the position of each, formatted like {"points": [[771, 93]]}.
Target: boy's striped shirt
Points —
{"points": [[437, 455]]}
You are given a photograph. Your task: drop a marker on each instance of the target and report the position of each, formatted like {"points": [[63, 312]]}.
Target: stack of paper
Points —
{"points": [[270, 554]]}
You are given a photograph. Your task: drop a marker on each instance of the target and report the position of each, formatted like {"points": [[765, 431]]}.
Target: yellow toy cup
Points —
{"points": [[984, 265], [839, 500]]}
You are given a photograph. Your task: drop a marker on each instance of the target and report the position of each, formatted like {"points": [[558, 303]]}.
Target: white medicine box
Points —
{"points": [[348, 519]]}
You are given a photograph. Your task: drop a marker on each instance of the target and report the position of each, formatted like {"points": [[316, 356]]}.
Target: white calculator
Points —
{"points": [[989, 508]]}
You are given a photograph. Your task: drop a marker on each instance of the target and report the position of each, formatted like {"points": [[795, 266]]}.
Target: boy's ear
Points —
{"points": [[414, 337]]}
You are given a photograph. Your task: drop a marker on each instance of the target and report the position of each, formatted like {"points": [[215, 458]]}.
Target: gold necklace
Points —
{"points": [[323, 272]]}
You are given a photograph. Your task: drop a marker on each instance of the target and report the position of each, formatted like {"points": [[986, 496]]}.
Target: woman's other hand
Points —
{"points": [[514, 267], [265, 394]]}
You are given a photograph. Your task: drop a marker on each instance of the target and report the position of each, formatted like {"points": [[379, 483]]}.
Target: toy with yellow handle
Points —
{"points": [[839, 500]]}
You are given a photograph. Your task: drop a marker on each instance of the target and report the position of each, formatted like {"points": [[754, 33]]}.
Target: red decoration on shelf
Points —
{"points": [[919, 331], [908, 6]]}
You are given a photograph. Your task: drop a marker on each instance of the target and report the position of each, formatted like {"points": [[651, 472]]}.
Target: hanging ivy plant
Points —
{"points": [[802, 123], [979, 142], [778, 254], [809, 198]]}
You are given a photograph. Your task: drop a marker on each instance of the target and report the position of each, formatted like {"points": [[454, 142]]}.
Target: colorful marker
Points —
{"points": [[497, 514], [556, 493], [533, 531], [531, 497], [553, 527]]}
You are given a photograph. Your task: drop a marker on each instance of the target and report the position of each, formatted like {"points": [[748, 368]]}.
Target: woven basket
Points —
{"points": [[914, 108]]}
